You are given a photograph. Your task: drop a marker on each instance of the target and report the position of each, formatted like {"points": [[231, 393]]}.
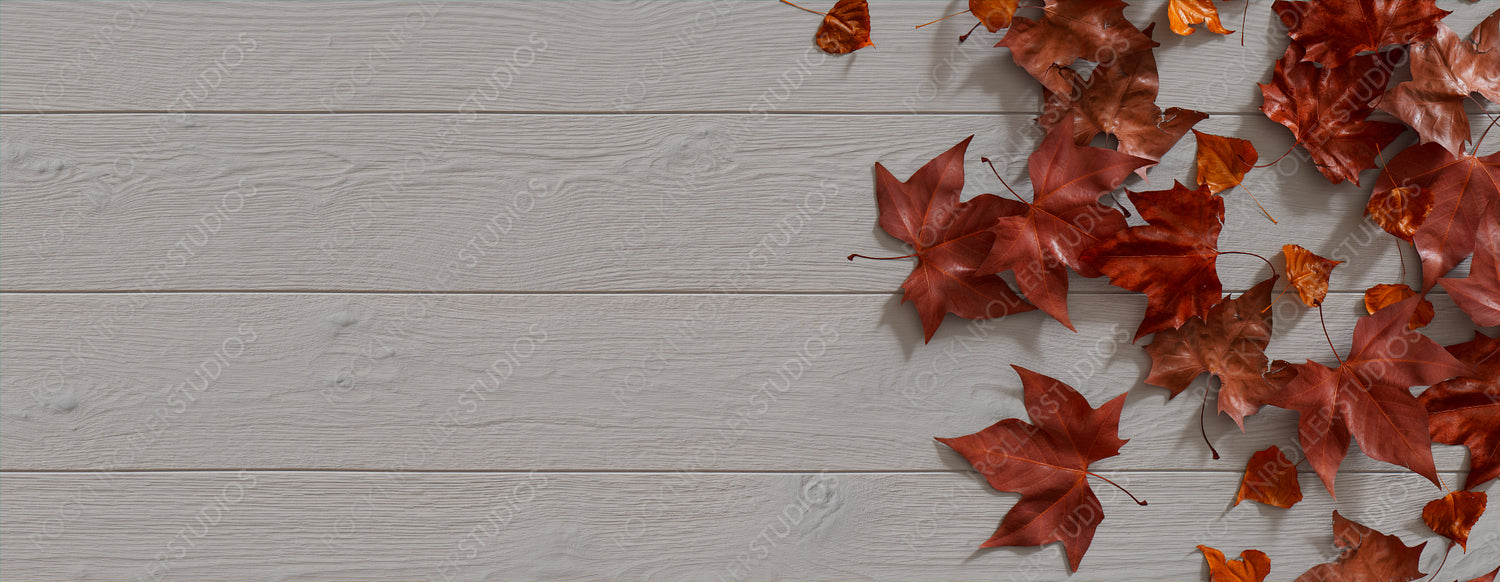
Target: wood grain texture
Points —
{"points": [[556, 203], [595, 382], [600, 56], [637, 526]]}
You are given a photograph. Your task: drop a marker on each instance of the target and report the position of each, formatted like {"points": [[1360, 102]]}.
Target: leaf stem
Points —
{"points": [[935, 21], [807, 9], [851, 257], [1272, 162], [1263, 259], [1002, 181], [1202, 412], [965, 36], [1117, 486], [1328, 337], [1256, 199]]}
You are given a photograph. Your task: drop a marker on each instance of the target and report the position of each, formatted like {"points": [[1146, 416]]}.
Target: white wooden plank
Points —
{"points": [[660, 526], [602, 56], [585, 382], [553, 203]]}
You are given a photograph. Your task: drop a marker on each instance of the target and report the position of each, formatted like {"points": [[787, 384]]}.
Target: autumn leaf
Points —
{"points": [[1463, 190], [1334, 32], [951, 239], [1454, 514], [1251, 566], [1445, 70], [1379, 296], [1368, 396], [1070, 30], [1229, 342], [1308, 273], [1479, 293], [1400, 210], [1270, 478], [1183, 14], [1490, 577], [1367, 555], [1465, 410], [994, 14], [1040, 240], [845, 28], [1326, 107], [1223, 161], [1047, 463], [1119, 98], [1171, 258]]}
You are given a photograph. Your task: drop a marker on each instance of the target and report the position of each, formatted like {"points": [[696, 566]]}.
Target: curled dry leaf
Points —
{"points": [[1464, 410], [1270, 478], [1463, 188], [1326, 109], [846, 28], [1366, 555], [1334, 32], [1479, 293], [1369, 396], [1171, 258], [1308, 273], [1379, 296], [1047, 463], [1454, 514], [951, 239], [994, 14], [1445, 70], [1183, 14], [1230, 343], [1070, 30], [1251, 566], [1400, 210], [1223, 161]]}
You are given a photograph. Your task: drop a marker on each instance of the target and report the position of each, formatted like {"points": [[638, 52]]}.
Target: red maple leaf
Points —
{"points": [[1094, 30], [1445, 70], [1171, 258], [1119, 98], [1270, 478], [1047, 463], [1334, 31], [1230, 343], [1466, 410], [951, 239], [1326, 107], [1369, 396], [1463, 188], [1479, 293], [1040, 240], [1366, 555]]}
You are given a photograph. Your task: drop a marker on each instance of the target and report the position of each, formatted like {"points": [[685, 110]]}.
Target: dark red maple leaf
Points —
{"points": [[1367, 555], [1369, 396], [1326, 107], [1119, 98], [1040, 240], [1463, 188], [1466, 410], [1229, 342], [1445, 70], [951, 239], [1479, 293], [1047, 463], [1270, 478], [1171, 258], [1334, 31], [1094, 30], [1454, 515]]}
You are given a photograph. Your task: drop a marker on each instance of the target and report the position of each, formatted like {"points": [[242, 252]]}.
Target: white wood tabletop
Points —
{"points": [[557, 290]]}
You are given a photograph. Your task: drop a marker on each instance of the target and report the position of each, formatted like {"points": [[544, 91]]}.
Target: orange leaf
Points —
{"points": [[1270, 478], [1251, 566], [994, 14], [1184, 13], [1454, 514], [1400, 210], [1382, 295], [1223, 161], [1308, 273], [846, 28]]}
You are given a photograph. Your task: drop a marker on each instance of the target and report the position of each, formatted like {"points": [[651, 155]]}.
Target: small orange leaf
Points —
{"points": [[1270, 478], [1400, 210], [1382, 295], [1223, 161], [1183, 14], [846, 28], [1454, 514], [994, 14], [1308, 273], [1251, 566]]}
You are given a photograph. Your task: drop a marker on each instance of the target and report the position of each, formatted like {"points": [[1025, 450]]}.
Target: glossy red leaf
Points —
{"points": [[1069, 30], [1229, 342], [1366, 555], [1334, 31], [1463, 190], [1454, 515], [1445, 70], [1466, 410], [1479, 293]]}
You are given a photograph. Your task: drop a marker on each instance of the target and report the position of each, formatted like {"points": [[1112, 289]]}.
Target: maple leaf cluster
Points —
{"points": [[1336, 73]]}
